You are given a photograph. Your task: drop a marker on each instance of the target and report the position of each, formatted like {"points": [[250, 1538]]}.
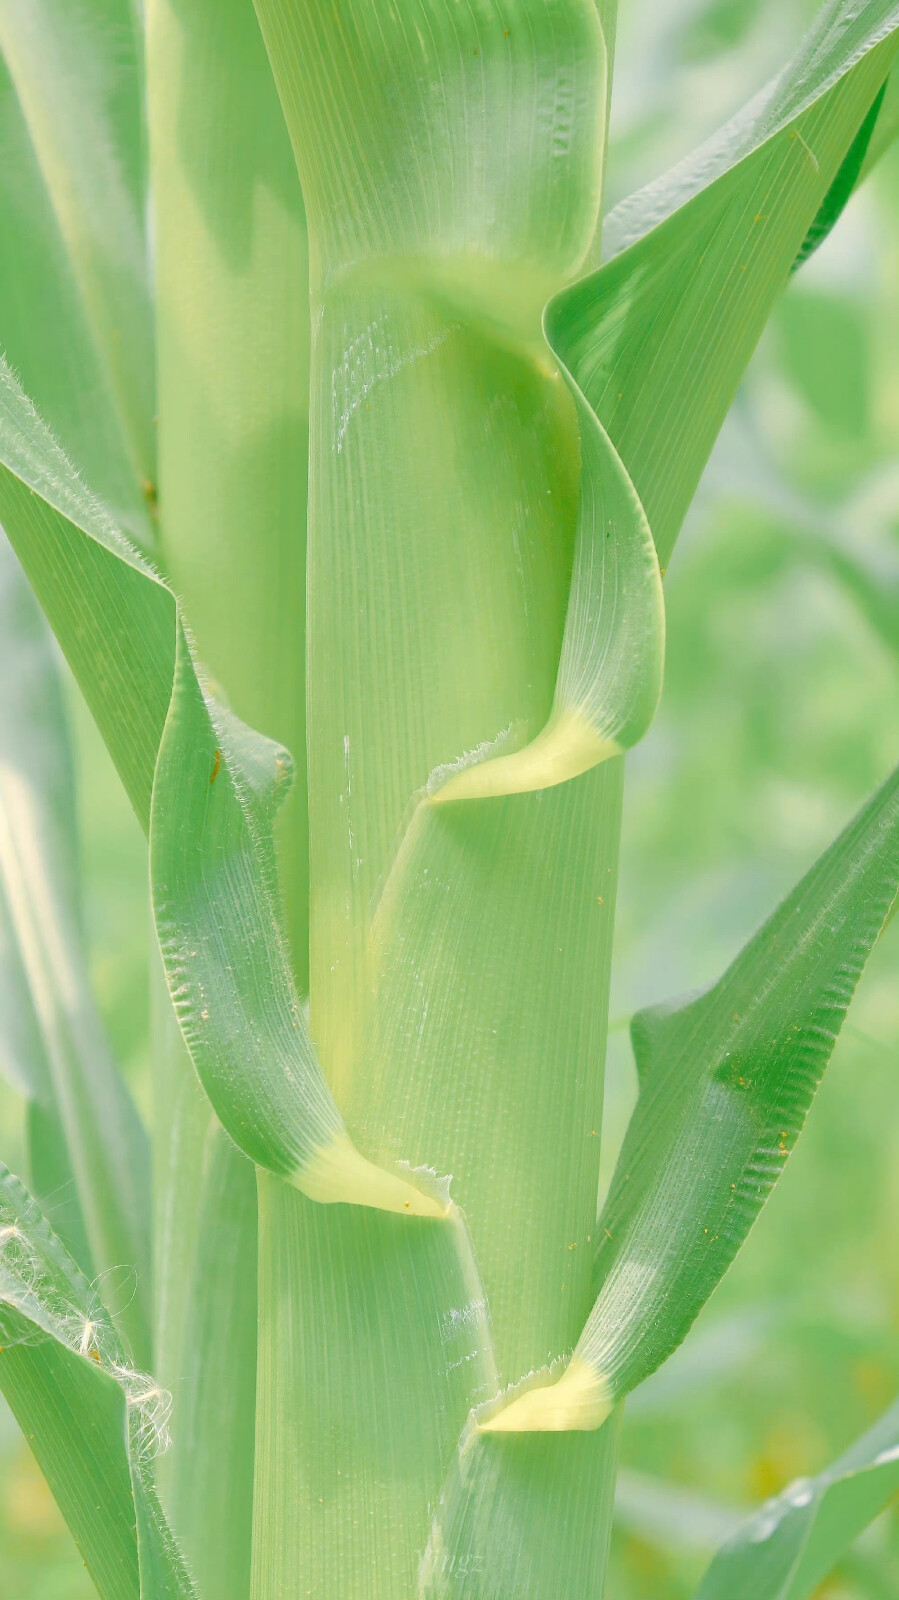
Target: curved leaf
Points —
{"points": [[82, 1123], [93, 1421], [794, 1540], [664, 330], [119, 626], [726, 1080]]}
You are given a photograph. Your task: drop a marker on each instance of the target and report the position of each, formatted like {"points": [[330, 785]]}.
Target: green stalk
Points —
{"points": [[459, 962]]}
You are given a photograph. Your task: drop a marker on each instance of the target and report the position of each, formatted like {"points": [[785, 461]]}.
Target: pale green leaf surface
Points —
{"points": [[644, 375], [93, 1421], [24, 1066], [512, 1517], [450, 160], [109, 611], [726, 1080], [75, 65], [214, 1414], [82, 1123], [45, 334], [795, 1539], [233, 379]]}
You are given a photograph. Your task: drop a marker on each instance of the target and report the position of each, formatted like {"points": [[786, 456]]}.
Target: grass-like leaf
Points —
{"points": [[75, 67], [93, 1421], [86, 1141], [107, 606], [726, 1080], [794, 1540], [663, 331]]}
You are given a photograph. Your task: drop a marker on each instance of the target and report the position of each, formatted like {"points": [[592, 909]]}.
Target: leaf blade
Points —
{"points": [[795, 1539], [726, 1080], [90, 1417]]}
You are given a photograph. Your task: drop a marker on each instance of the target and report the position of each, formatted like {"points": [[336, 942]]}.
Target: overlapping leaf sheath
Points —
{"points": [[210, 844], [451, 160], [444, 160], [659, 337]]}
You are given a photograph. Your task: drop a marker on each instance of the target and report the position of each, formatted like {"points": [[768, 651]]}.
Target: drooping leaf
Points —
{"points": [[795, 1539], [93, 1421], [118, 624], [83, 1128], [726, 1081]]}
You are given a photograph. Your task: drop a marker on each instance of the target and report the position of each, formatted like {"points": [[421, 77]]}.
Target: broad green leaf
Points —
{"points": [[75, 66], [93, 1420], [794, 1540], [726, 1080], [111, 614], [82, 1123]]}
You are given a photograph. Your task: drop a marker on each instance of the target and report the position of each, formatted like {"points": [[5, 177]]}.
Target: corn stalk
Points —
{"points": [[397, 1336]]}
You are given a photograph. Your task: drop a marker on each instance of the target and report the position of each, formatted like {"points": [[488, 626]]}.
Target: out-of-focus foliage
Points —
{"points": [[778, 719], [778, 716]]}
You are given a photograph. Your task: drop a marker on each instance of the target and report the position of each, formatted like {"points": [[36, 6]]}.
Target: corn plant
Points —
{"points": [[344, 451]]}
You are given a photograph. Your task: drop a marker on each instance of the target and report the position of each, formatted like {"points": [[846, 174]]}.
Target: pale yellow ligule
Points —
{"points": [[579, 1402], [337, 1172], [566, 747]]}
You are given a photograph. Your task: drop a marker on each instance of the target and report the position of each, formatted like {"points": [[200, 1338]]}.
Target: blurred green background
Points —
{"points": [[780, 714]]}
